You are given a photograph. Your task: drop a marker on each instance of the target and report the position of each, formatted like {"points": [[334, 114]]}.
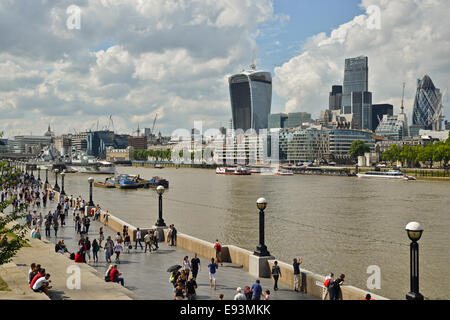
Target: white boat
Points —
{"points": [[283, 173], [385, 175], [238, 171]]}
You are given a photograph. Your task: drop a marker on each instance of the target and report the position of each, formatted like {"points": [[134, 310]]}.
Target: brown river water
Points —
{"points": [[337, 224]]}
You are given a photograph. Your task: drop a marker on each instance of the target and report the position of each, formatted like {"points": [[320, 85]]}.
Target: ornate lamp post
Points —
{"points": [[91, 203], [56, 187], [46, 177], [414, 231], [160, 222], [63, 193], [261, 249], [39, 173]]}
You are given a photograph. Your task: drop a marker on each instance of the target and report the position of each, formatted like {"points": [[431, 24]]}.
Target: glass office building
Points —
{"points": [[356, 79], [251, 99], [288, 120], [378, 111], [427, 110], [335, 99], [393, 127]]}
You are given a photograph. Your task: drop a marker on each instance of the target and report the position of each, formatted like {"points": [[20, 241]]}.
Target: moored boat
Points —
{"points": [[236, 171]]}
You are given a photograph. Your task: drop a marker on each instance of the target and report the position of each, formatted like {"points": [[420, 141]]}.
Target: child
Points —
{"points": [[117, 249]]}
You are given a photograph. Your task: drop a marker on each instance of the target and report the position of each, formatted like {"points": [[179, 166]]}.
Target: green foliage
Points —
{"points": [[158, 154], [12, 223], [413, 155], [358, 148]]}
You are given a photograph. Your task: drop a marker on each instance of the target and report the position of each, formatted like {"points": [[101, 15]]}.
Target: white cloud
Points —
{"points": [[164, 56], [413, 41]]}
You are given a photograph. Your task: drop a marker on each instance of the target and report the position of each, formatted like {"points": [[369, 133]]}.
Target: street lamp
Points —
{"points": [[63, 193], [56, 187], [261, 249], [91, 203], [39, 173], [46, 177], [414, 231], [160, 222]]}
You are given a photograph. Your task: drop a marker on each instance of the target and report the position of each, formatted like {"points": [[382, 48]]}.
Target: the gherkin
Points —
{"points": [[427, 110]]}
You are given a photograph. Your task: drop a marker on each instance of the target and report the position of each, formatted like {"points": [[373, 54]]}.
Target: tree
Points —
{"points": [[11, 224], [358, 148]]}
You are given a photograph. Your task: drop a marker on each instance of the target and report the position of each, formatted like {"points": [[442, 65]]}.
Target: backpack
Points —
{"points": [[326, 283], [72, 256]]}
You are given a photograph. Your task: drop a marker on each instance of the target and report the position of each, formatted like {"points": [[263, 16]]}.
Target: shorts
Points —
{"points": [[219, 254], [212, 276], [41, 289]]}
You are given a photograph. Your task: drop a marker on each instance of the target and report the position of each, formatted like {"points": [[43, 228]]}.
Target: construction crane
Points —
{"points": [[403, 97], [153, 128], [111, 122]]}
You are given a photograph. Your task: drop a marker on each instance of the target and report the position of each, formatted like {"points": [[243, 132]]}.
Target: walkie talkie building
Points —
{"points": [[427, 110], [251, 99]]}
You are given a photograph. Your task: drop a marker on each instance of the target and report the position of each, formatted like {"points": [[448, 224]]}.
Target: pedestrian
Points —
{"points": [[148, 242], [276, 273], [195, 266], [297, 275], [101, 236], [335, 290], [173, 235], [87, 246], [42, 284], [138, 239], [169, 234], [239, 295], [179, 291], [221, 296], [191, 286], [266, 295], [117, 250], [95, 249], [115, 275], [48, 224], [127, 243], [326, 291], [218, 248], [212, 273], [368, 297], [87, 223], [186, 265], [109, 249], [256, 290]]}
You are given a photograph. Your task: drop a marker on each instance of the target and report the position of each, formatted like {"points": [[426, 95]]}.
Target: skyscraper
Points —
{"points": [[251, 99], [378, 111], [356, 98], [335, 99], [427, 110]]}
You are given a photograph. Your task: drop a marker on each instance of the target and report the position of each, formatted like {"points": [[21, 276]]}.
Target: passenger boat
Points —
{"points": [[105, 184], [236, 171], [385, 175], [125, 181]]}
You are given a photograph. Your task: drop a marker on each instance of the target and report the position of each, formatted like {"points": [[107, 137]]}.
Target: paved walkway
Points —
{"points": [[146, 274]]}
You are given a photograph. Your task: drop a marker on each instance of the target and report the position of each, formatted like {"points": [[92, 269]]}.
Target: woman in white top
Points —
{"points": [[186, 266]]}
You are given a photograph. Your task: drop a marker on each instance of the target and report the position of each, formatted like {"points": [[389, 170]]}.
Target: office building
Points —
{"points": [[29, 144], [393, 127], [356, 79], [335, 99], [138, 143], [99, 141], [378, 111], [288, 120], [427, 109], [251, 99]]}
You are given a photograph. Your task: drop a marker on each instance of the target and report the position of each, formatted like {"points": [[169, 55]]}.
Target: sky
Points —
{"points": [[135, 59]]}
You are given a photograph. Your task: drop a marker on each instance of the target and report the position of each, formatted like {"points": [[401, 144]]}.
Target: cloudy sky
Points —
{"points": [[133, 59]]}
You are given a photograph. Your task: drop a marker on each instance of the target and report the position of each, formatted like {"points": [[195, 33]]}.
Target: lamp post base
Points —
{"points": [[261, 251], [160, 223], [56, 188], [414, 296]]}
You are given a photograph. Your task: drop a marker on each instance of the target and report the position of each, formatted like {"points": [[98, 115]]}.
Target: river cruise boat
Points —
{"points": [[235, 171], [385, 175], [283, 173]]}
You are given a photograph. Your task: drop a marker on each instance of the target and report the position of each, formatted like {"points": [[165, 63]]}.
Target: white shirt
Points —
{"points": [[240, 296], [39, 283]]}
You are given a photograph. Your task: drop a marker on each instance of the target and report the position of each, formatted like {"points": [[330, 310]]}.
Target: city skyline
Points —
{"points": [[82, 76]]}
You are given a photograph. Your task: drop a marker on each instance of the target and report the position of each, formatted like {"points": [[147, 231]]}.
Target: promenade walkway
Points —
{"points": [[146, 275]]}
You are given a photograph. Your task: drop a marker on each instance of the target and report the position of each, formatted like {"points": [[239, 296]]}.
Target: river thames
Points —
{"points": [[337, 224]]}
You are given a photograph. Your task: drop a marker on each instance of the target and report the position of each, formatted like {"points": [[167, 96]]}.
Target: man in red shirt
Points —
{"points": [[115, 275], [36, 277], [218, 248]]}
